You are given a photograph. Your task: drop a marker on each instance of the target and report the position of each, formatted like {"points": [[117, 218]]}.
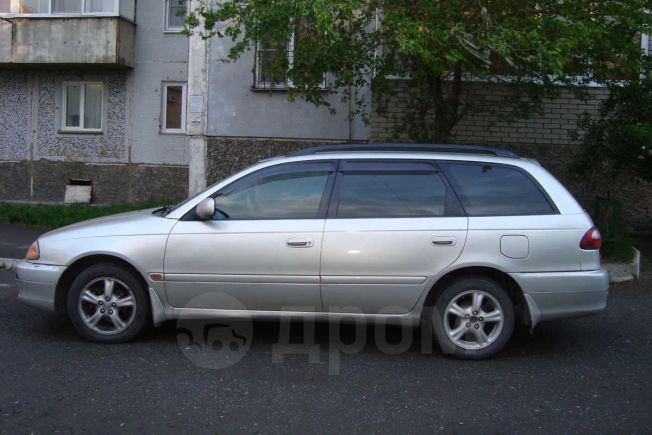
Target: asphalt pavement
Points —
{"points": [[589, 375]]}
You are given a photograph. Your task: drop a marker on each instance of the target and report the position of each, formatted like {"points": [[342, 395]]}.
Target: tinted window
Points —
{"points": [[286, 195], [378, 190], [490, 190]]}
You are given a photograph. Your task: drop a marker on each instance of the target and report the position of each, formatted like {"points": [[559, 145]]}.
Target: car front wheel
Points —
{"points": [[473, 318], [107, 304]]}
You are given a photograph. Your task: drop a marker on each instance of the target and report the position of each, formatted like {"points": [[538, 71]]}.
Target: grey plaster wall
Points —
{"points": [[234, 109], [160, 57], [14, 116], [51, 143]]}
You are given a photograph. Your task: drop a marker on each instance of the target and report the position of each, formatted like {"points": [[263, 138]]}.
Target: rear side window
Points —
{"points": [[496, 190], [386, 190]]}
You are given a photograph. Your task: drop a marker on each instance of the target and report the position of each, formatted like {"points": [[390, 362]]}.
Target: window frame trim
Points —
{"points": [[184, 107], [82, 106], [457, 189], [451, 195]]}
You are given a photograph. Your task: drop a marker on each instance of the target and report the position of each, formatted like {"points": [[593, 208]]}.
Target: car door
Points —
{"points": [[261, 250], [391, 226]]}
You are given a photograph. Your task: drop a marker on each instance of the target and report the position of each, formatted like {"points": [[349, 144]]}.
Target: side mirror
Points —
{"points": [[206, 209]]}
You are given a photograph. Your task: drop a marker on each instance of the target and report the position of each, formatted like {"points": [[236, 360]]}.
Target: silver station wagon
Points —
{"points": [[471, 240]]}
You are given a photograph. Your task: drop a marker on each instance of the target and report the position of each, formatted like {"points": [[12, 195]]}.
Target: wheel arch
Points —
{"points": [[514, 290], [66, 279]]}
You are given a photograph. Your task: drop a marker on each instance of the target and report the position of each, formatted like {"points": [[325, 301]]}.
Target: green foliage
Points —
{"points": [[54, 216], [620, 250], [437, 45], [619, 140]]}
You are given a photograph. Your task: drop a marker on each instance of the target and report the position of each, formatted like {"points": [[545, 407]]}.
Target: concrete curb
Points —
{"points": [[624, 272], [7, 263]]}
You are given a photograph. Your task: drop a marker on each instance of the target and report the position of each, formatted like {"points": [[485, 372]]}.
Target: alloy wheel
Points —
{"points": [[107, 306], [473, 319]]}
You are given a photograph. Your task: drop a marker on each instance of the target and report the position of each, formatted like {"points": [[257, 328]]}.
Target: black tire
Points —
{"points": [[138, 319], [455, 290]]}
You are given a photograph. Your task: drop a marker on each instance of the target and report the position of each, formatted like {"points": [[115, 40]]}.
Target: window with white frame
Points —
{"points": [[174, 107], [175, 14], [68, 7], [82, 106]]}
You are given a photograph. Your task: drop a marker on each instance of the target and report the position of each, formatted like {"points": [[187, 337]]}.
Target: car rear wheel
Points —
{"points": [[473, 318], [107, 304]]}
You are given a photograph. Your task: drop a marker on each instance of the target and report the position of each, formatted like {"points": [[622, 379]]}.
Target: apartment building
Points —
{"points": [[98, 91]]}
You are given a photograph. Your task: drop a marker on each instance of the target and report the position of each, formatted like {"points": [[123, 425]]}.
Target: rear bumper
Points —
{"points": [[557, 295], [37, 283]]}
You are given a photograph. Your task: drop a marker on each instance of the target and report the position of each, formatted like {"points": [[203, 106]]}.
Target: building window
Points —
{"points": [[175, 14], [174, 108], [99, 6], [82, 106], [67, 7], [273, 59], [5, 6], [35, 7]]}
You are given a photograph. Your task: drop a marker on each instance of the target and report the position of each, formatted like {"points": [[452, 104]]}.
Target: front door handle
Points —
{"points": [[443, 241], [298, 243]]}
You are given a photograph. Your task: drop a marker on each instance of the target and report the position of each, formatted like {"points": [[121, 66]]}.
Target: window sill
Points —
{"points": [[279, 89], [173, 31], [74, 132], [173, 132]]}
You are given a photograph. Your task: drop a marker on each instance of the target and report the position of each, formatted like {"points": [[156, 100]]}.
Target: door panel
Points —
{"points": [[248, 260], [383, 265]]}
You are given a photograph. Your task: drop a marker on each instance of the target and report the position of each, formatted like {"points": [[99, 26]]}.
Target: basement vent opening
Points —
{"points": [[78, 191]]}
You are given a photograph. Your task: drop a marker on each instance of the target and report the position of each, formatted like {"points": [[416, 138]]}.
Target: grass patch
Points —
{"points": [[54, 216]]}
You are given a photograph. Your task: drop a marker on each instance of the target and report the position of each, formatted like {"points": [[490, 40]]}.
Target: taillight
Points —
{"points": [[591, 239]]}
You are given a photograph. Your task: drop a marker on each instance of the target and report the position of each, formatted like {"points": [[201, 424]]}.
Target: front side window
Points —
{"points": [[175, 14], [174, 107], [82, 106], [293, 193], [495, 190], [388, 190]]}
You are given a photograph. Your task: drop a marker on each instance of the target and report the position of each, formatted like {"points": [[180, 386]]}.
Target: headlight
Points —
{"points": [[33, 253]]}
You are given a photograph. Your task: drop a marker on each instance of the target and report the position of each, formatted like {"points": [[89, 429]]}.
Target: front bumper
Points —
{"points": [[557, 295], [37, 283]]}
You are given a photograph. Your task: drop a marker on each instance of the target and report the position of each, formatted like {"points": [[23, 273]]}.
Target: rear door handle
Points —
{"points": [[443, 241], [298, 243]]}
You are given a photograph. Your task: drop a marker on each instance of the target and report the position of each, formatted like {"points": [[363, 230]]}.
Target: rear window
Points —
{"points": [[496, 190], [385, 190]]}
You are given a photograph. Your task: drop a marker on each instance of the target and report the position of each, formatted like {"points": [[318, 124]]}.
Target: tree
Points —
{"points": [[439, 46], [618, 141]]}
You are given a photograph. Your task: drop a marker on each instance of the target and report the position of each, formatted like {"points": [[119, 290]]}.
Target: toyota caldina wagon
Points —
{"points": [[471, 240]]}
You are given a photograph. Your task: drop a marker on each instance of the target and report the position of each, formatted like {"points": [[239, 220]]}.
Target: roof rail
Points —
{"points": [[407, 147]]}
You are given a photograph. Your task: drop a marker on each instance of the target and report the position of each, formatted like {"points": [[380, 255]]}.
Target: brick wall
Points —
{"points": [[548, 136]]}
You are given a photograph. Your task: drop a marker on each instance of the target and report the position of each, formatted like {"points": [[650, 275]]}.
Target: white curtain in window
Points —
{"points": [[66, 6], [93, 106], [73, 109], [100, 6]]}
